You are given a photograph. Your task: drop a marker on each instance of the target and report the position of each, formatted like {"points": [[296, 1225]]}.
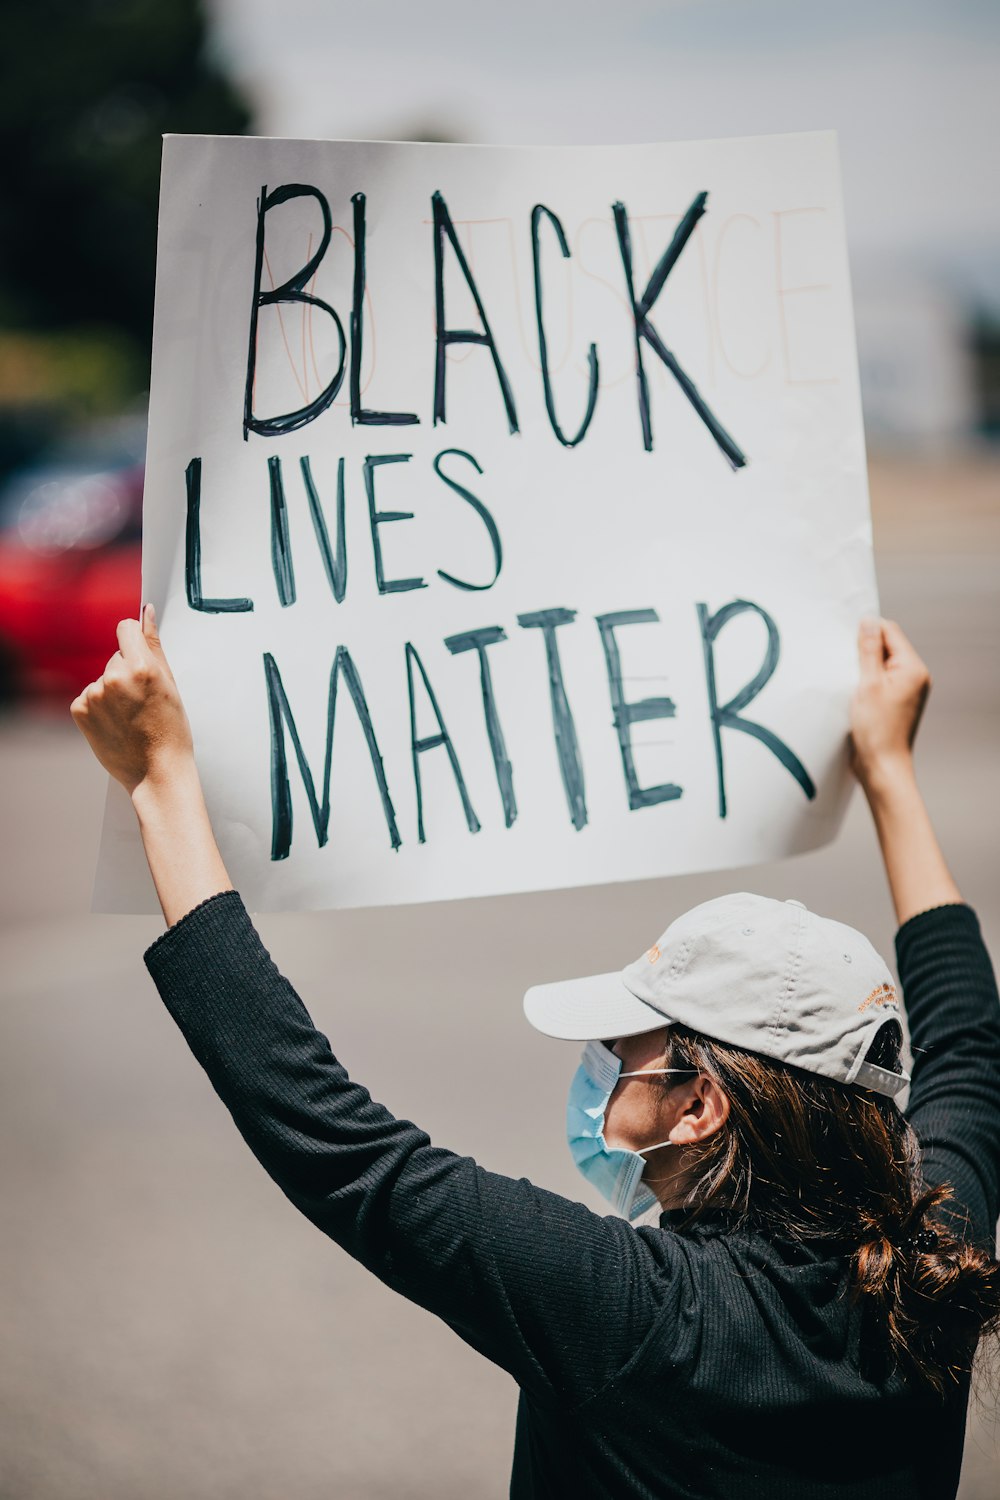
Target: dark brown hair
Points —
{"points": [[805, 1158]]}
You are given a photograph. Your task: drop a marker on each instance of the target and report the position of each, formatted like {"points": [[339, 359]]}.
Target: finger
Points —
{"points": [[132, 642], [150, 631], [78, 708], [897, 643], [870, 645], [921, 705]]}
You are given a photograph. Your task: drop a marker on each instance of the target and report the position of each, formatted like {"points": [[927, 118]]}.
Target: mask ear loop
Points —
{"points": [[658, 1147], [644, 1073]]}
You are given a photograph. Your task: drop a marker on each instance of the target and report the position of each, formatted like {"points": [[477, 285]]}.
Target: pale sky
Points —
{"points": [[911, 86]]}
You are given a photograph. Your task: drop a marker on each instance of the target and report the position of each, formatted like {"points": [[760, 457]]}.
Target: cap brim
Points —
{"points": [[591, 1009]]}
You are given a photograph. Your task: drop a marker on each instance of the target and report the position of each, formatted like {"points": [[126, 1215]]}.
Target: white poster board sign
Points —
{"points": [[505, 513]]}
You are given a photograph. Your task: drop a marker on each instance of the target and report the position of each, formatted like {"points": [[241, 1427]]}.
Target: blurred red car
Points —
{"points": [[70, 569]]}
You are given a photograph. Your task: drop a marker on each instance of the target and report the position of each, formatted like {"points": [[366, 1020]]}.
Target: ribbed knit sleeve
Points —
{"points": [[954, 1016], [557, 1295]]}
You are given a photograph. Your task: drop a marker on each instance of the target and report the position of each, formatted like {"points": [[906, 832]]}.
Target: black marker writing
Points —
{"points": [[727, 715], [335, 566], [431, 742], [480, 510], [280, 714], [644, 329], [192, 552], [478, 640], [289, 291], [445, 336], [379, 518], [358, 413], [281, 551], [626, 714], [567, 746], [543, 352]]}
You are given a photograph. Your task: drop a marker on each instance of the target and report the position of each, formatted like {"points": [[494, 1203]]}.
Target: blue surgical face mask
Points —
{"points": [[615, 1173]]}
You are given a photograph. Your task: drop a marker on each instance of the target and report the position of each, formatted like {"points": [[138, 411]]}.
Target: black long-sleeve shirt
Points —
{"points": [[652, 1362]]}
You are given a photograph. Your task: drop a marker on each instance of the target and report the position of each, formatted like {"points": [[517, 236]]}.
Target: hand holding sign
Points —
{"points": [[135, 723], [132, 716], [887, 703]]}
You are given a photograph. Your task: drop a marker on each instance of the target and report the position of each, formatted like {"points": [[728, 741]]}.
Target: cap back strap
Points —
{"points": [[882, 1080]]}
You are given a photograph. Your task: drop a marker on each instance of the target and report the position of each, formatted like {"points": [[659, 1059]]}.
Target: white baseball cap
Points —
{"points": [[767, 976]]}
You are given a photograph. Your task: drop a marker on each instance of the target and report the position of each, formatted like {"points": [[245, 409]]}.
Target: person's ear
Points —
{"points": [[703, 1110]]}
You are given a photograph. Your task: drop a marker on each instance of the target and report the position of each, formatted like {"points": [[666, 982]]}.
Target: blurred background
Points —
{"points": [[170, 1327]]}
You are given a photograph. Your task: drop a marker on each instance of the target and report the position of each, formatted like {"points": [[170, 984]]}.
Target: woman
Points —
{"points": [[802, 1320]]}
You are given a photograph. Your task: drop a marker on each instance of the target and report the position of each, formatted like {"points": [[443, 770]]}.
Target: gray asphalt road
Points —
{"points": [[171, 1327]]}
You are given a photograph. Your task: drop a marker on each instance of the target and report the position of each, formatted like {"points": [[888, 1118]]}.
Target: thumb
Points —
{"points": [[870, 646], [151, 632]]}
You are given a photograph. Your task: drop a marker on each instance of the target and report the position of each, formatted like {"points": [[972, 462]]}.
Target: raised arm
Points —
{"points": [[532, 1280], [885, 713], [945, 971]]}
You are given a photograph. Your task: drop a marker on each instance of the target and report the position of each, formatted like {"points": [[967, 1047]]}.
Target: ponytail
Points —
{"points": [[804, 1158], [934, 1294]]}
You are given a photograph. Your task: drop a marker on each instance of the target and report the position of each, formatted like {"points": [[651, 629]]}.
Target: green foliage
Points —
{"points": [[87, 88], [78, 374]]}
